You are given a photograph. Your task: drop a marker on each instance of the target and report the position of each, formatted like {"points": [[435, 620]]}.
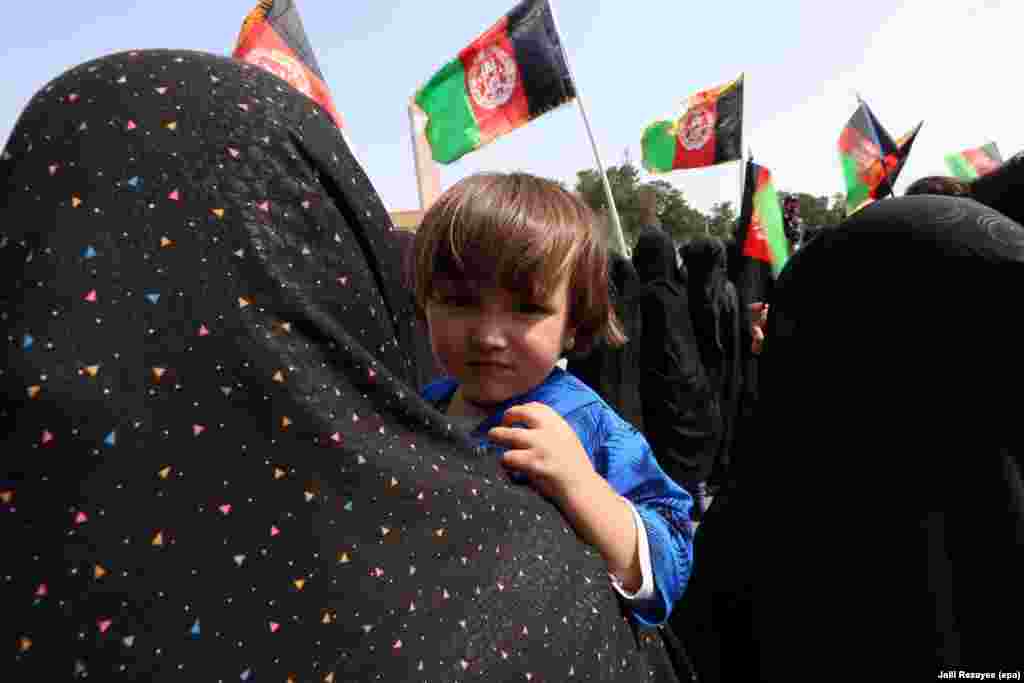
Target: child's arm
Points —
{"points": [[551, 455]]}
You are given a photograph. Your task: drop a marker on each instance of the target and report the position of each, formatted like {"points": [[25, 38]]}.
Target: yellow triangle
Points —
{"points": [[173, 125], [243, 302], [329, 678], [279, 377], [158, 540], [343, 558], [286, 422], [6, 497], [299, 583], [158, 373], [164, 472], [165, 242], [99, 572], [327, 618], [34, 390], [75, 201], [219, 213], [279, 473], [92, 370]]}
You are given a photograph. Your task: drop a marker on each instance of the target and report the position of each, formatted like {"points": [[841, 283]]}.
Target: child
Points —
{"points": [[509, 275]]}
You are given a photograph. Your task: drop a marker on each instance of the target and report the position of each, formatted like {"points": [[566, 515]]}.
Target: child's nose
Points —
{"points": [[488, 332]]}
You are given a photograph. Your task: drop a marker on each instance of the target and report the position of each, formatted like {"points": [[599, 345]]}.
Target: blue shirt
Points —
{"points": [[623, 457]]}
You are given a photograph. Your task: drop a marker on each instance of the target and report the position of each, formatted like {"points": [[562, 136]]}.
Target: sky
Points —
{"points": [[952, 64]]}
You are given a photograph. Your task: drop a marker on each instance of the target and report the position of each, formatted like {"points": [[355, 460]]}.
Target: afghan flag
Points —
{"points": [[511, 74], [708, 131], [974, 163], [760, 236], [272, 37], [868, 156]]}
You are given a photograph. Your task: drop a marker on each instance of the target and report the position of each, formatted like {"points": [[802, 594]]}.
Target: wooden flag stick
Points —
{"points": [[618, 241], [428, 175]]}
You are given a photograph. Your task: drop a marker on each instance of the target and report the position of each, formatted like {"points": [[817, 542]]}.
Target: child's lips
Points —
{"points": [[490, 366]]}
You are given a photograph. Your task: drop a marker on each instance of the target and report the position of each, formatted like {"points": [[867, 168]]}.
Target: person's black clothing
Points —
{"points": [[1003, 188], [884, 525], [714, 309], [215, 467], [680, 413]]}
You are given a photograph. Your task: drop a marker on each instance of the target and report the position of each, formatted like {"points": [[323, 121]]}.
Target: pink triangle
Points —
{"points": [[162, 90], [81, 517], [42, 591], [274, 531], [73, 97], [263, 206], [174, 195], [91, 296], [104, 624], [233, 152], [225, 509], [243, 107], [204, 331], [336, 437], [47, 436], [274, 626], [131, 125], [53, 169], [198, 429]]}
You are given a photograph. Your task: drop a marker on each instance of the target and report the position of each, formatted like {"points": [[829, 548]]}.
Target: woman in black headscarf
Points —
{"points": [[883, 531], [714, 308], [614, 372], [215, 467], [681, 417]]}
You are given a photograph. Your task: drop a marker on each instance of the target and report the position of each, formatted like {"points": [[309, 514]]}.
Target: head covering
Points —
{"points": [[682, 272], [654, 257], [622, 273], [214, 465], [895, 498], [706, 260]]}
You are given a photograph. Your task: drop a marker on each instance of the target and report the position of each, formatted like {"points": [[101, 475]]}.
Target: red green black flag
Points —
{"points": [[511, 74], [763, 247], [273, 38], [974, 163], [867, 154], [708, 131]]}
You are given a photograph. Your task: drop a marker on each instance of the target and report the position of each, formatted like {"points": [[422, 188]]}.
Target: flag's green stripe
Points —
{"points": [[856, 191], [960, 167], [452, 129], [658, 146], [992, 150], [768, 208]]}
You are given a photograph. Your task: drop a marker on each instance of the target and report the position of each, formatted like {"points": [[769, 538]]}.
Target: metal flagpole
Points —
{"points": [[428, 177], [617, 234]]}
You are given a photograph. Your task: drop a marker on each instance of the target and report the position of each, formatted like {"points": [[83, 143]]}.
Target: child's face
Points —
{"points": [[495, 342]]}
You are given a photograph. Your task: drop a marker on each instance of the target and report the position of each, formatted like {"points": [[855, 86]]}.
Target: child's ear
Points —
{"points": [[569, 340]]}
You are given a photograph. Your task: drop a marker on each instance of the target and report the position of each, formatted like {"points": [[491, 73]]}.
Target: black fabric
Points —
{"points": [[729, 125], [539, 56], [1003, 188], [215, 467], [681, 417], [885, 526], [614, 372], [714, 308]]}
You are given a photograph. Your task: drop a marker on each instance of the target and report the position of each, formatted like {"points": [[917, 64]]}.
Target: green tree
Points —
{"points": [[722, 221]]}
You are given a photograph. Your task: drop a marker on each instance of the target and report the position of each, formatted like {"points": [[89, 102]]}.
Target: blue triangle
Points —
{"points": [[27, 341], [348, 506], [135, 182], [110, 439], [89, 252], [153, 297], [195, 629]]}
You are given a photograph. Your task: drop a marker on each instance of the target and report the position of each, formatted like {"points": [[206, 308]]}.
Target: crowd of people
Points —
{"points": [[252, 432]]}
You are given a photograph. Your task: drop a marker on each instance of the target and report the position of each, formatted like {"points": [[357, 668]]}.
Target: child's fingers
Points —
{"points": [[531, 415], [527, 461], [511, 437]]}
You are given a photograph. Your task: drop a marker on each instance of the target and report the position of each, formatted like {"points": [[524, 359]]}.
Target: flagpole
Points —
{"points": [[428, 177], [617, 234]]}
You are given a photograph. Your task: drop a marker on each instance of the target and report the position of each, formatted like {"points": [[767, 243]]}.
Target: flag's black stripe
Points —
{"points": [[539, 57], [729, 127], [283, 15]]}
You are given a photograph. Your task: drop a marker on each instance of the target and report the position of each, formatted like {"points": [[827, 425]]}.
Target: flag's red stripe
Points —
{"points": [[264, 36], [981, 161], [756, 245], [513, 113]]}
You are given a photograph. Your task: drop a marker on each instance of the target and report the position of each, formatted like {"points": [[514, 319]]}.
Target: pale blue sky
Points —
{"points": [[953, 64]]}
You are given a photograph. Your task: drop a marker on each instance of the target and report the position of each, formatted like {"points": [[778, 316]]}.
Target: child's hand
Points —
{"points": [[547, 451]]}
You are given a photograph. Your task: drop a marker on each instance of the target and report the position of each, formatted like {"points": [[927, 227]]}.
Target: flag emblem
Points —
{"points": [[492, 77], [696, 126], [282, 65]]}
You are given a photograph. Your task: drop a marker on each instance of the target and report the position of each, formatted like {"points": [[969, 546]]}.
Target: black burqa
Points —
{"points": [[1003, 188], [215, 467], [714, 309], [680, 414], [884, 529], [614, 372]]}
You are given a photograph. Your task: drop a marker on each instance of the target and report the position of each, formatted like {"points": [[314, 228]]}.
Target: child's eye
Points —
{"points": [[533, 309]]}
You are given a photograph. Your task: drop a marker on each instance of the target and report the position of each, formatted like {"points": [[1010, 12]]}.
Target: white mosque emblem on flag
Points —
{"points": [[282, 65], [492, 77]]}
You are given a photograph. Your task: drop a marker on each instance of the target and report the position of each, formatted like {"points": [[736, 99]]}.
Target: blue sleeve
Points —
{"points": [[626, 460]]}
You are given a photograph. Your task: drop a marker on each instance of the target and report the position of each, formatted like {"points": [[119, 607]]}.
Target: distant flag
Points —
{"points": [[974, 163], [708, 131], [763, 247], [273, 38], [868, 156], [512, 73]]}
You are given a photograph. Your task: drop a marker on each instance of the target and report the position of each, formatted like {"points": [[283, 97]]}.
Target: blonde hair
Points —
{"points": [[521, 233]]}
